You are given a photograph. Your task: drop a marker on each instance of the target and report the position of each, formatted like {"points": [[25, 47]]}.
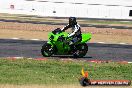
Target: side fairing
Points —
{"points": [[53, 40], [86, 37]]}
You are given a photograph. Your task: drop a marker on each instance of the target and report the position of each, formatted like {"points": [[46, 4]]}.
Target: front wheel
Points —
{"points": [[47, 50], [81, 50]]}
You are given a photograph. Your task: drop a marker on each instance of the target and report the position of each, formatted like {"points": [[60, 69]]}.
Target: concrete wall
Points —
{"points": [[108, 9]]}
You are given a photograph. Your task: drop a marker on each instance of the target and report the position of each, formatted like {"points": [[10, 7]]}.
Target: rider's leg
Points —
{"points": [[75, 40], [72, 43]]}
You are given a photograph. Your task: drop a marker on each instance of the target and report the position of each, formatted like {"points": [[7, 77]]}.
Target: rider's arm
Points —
{"points": [[65, 28], [74, 32]]}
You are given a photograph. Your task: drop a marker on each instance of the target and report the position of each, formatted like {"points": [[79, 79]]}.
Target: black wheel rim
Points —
{"points": [[48, 50], [81, 50]]}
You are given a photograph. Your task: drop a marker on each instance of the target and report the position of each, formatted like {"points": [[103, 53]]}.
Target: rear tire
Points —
{"points": [[81, 50], [47, 50]]}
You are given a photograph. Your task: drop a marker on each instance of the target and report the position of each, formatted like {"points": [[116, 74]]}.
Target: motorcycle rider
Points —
{"points": [[76, 31]]}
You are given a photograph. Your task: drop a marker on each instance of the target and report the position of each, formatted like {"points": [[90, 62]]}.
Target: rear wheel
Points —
{"points": [[81, 50], [47, 50]]}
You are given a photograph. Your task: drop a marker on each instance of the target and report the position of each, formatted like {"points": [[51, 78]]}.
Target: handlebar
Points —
{"points": [[58, 30]]}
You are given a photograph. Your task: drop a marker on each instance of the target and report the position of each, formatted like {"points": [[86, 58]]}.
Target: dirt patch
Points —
{"points": [[40, 31], [43, 27], [23, 34]]}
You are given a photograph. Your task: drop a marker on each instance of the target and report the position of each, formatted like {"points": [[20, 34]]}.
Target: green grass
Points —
{"points": [[26, 71]]}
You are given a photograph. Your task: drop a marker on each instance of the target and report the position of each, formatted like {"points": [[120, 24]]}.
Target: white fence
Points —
{"points": [[107, 9]]}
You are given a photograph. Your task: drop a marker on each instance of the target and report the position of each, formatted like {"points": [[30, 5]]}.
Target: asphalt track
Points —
{"points": [[30, 48]]}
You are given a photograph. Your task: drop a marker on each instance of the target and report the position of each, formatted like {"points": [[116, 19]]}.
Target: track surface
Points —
{"points": [[29, 48]]}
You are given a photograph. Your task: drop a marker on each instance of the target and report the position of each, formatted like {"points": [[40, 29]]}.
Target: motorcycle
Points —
{"points": [[58, 44]]}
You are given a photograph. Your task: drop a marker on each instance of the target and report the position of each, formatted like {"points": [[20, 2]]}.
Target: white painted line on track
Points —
{"points": [[23, 39], [122, 43], [129, 62], [15, 38], [101, 42], [35, 39]]}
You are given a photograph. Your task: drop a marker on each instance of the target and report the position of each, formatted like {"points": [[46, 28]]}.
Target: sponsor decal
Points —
{"points": [[85, 81]]}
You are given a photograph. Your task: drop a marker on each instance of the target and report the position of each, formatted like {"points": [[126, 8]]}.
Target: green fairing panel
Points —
{"points": [[86, 37], [57, 35], [65, 34]]}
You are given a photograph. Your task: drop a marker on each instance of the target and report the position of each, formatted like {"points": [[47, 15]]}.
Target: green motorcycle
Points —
{"points": [[58, 44]]}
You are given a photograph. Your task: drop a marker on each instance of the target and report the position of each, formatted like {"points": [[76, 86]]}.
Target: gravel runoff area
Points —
{"points": [[40, 31]]}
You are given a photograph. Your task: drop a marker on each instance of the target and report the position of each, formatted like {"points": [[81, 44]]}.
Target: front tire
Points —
{"points": [[81, 50], [47, 50]]}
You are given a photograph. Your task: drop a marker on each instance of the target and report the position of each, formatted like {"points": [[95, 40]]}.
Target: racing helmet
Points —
{"points": [[72, 21]]}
